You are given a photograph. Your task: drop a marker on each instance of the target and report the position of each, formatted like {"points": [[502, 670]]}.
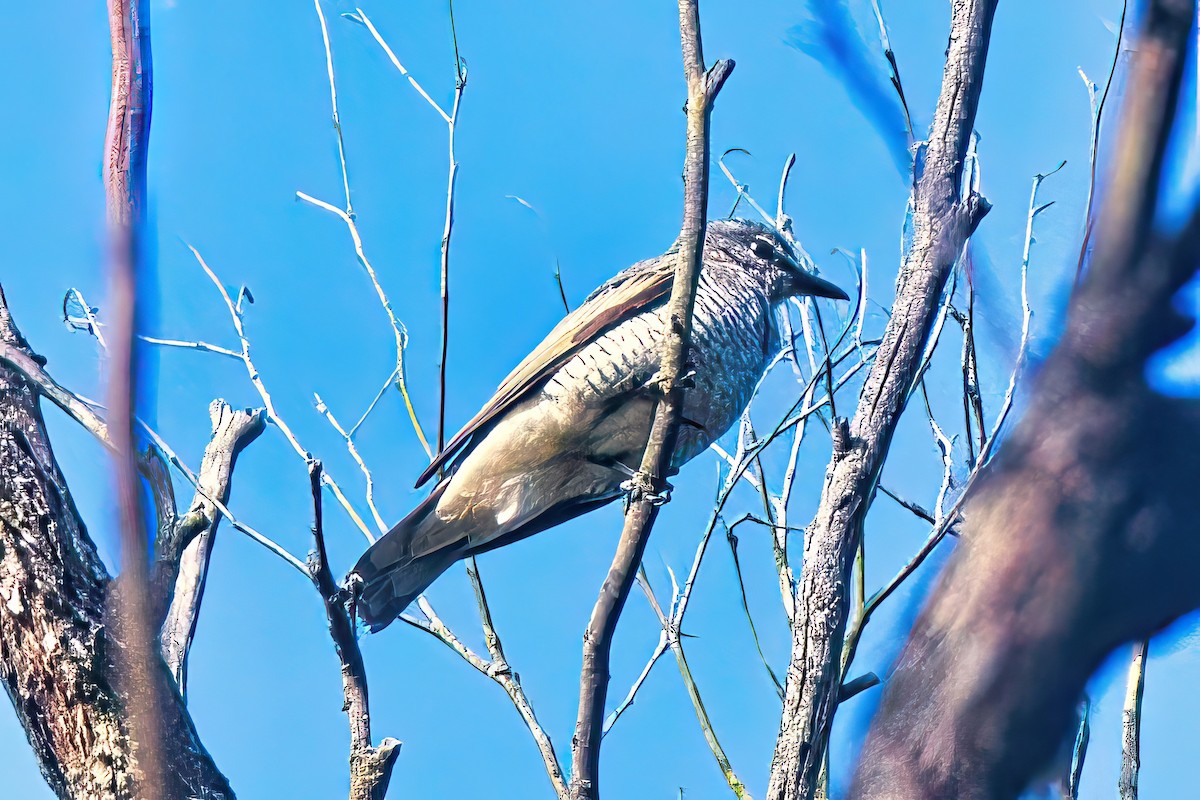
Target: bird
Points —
{"points": [[566, 430]]}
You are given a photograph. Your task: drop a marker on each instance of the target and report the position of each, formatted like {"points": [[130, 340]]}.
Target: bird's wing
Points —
{"points": [[623, 296]]}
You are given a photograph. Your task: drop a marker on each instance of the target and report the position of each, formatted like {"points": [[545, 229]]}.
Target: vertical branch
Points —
{"points": [[348, 217], [648, 483], [945, 213], [1097, 123], [182, 561], [460, 83], [126, 140], [1131, 724], [370, 766], [1083, 735], [337, 120]]}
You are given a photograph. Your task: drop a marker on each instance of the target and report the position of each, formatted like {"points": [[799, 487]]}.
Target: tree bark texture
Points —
{"points": [[57, 637], [944, 217]]}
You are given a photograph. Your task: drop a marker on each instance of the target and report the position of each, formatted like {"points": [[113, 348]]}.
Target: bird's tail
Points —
{"points": [[391, 576]]}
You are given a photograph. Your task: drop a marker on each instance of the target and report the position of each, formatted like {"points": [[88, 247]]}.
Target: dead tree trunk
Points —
{"points": [[57, 643]]}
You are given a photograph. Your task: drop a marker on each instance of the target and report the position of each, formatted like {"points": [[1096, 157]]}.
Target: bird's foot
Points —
{"points": [[658, 382], [640, 487]]}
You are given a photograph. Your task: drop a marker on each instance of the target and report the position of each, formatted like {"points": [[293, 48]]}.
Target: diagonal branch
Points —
{"points": [[649, 482], [945, 214]]}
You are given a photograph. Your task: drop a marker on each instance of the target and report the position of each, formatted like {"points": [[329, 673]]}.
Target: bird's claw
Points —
{"points": [[658, 381], [640, 487]]}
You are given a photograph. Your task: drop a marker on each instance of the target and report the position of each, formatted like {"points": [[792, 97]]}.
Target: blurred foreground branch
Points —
{"points": [[1081, 535]]}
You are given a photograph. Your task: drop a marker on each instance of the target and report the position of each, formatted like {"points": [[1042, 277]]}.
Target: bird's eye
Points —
{"points": [[763, 250]]}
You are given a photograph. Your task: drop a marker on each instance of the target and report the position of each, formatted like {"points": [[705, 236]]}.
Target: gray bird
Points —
{"points": [[569, 425]]}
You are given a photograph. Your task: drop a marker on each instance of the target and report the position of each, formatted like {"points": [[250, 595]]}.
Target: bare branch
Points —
{"points": [[1098, 105], [370, 766], [182, 559], [58, 647], [31, 370], [945, 214], [235, 315], [226, 514], [670, 626], [507, 680], [501, 671], [352, 449], [649, 482], [1131, 724]]}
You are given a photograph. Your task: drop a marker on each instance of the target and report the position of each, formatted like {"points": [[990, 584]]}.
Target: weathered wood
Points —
{"points": [[943, 220], [182, 555], [57, 640]]}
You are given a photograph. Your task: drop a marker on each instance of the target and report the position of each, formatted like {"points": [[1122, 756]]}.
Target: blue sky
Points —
{"points": [[575, 108]]}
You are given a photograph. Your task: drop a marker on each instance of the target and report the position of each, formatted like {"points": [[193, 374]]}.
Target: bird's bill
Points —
{"points": [[810, 284]]}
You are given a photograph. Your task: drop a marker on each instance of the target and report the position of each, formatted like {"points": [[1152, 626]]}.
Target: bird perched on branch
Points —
{"points": [[567, 428]]}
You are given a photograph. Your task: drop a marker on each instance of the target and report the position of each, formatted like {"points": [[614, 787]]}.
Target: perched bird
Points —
{"points": [[568, 427]]}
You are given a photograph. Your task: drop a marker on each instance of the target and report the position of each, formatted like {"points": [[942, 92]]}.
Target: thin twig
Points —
{"points": [[352, 449], [189, 345], [1079, 751], [505, 678], [673, 636], [1097, 123], [347, 215], [235, 315], [337, 122]]}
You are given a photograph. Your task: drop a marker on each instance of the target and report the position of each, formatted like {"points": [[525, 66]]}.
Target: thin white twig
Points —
{"points": [[323, 409], [192, 478], [396, 63], [337, 122], [499, 672], [399, 332], [374, 402], [188, 345], [235, 315]]}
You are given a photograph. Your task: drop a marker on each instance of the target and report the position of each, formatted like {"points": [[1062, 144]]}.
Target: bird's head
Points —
{"points": [[761, 251]]}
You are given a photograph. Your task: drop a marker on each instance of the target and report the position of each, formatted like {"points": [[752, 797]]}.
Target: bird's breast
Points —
{"points": [[731, 343]]}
